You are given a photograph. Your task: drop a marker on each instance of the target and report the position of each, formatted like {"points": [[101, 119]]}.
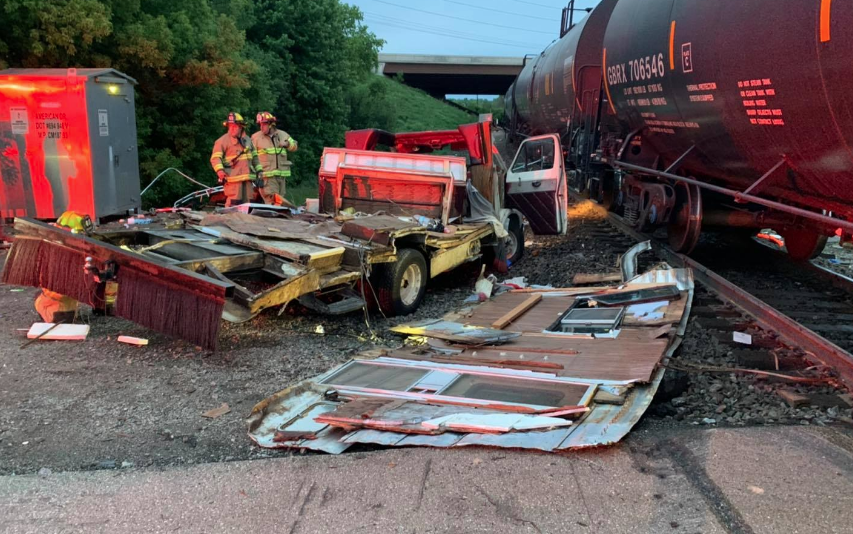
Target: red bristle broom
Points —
{"points": [[61, 269], [169, 308], [186, 305], [55, 267], [21, 268]]}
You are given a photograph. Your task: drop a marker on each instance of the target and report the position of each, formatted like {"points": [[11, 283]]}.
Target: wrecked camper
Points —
{"points": [[574, 368]]}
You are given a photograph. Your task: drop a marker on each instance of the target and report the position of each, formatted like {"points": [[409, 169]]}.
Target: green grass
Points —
{"points": [[418, 111], [299, 192]]}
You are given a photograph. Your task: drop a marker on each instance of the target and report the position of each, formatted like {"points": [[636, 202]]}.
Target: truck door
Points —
{"points": [[536, 184]]}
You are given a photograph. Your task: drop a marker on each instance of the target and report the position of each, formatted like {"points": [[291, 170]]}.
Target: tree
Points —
{"points": [[196, 60], [315, 52], [51, 32], [371, 106]]}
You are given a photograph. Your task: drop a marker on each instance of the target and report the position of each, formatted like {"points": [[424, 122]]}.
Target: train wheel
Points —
{"points": [[803, 245], [608, 192], [685, 224]]}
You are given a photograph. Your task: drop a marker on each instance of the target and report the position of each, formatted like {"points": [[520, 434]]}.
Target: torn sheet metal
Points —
{"points": [[425, 398], [417, 418], [628, 262], [637, 296], [455, 332]]}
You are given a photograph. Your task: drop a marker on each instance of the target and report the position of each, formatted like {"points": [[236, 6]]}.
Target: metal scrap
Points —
{"points": [[455, 332], [628, 262]]}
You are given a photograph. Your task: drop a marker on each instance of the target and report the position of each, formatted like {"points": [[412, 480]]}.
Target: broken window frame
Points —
{"points": [[609, 327], [436, 396]]}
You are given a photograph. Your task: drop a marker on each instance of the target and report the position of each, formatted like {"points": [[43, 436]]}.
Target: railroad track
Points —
{"points": [[751, 286]]}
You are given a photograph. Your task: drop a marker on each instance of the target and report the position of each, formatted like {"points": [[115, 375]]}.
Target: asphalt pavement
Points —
{"points": [[760, 479]]}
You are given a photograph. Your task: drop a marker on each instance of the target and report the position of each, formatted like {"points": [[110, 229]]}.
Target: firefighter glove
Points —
{"points": [[222, 176], [259, 181]]}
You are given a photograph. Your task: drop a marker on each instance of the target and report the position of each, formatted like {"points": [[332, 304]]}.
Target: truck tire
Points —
{"points": [[400, 286], [515, 241]]}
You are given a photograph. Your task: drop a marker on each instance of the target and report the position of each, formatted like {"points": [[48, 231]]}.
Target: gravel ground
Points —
{"points": [[694, 398], [836, 257], [100, 404], [103, 404]]}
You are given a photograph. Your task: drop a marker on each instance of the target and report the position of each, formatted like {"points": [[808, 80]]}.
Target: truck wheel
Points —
{"points": [[400, 286], [514, 241]]}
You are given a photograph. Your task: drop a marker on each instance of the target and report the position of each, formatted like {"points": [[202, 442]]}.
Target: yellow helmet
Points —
{"points": [[234, 118], [265, 117], [76, 222]]}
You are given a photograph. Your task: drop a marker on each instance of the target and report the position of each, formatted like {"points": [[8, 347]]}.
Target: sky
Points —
{"points": [[466, 27]]}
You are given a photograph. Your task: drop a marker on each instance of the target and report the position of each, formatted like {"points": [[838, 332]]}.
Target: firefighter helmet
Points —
{"points": [[265, 117], [76, 222], [234, 118]]}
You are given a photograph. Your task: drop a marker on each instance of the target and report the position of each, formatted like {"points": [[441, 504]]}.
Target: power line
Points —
{"points": [[540, 5], [450, 35], [412, 26], [565, 4], [460, 18], [491, 10]]}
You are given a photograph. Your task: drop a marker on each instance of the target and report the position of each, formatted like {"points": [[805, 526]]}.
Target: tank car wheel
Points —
{"points": [[609, 192], [685, 224], [803, 245]]}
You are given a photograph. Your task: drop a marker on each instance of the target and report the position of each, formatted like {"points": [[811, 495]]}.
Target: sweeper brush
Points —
{"points": [[173, 301]]}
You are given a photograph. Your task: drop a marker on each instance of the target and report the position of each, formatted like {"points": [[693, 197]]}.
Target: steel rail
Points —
{"points": [[765, 315]]}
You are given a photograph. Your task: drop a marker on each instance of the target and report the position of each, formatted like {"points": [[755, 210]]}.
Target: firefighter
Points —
{"points": [[273, 145], [235, 161]]}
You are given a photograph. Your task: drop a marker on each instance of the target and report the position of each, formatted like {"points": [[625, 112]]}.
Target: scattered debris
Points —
{"points": [[58, 332], [756, 490], [455, 332], [591, 278], [217, 412], [794, 399], [519, 282], [130, 340], [628, 261], [742, 338], [483, 286], [772, 237]]}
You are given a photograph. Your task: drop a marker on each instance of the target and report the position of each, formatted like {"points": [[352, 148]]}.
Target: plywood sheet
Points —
{"points": [[271, 227], [61, 332], [536, 319], [630, 357]]}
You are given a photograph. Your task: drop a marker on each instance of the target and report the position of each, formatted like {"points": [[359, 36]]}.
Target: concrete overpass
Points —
{"points": [[455, 75]]}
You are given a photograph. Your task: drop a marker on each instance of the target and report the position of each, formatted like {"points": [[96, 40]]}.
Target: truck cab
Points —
{"points": [[532, 187]]}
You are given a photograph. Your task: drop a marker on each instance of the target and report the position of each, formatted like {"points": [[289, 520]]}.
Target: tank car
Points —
{"points": [[688, 114]]}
